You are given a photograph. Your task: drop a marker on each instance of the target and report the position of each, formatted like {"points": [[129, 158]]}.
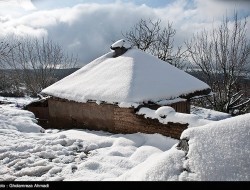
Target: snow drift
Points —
{"points": [[20, 120], [167, 114], [216, 151], [219, 151]]}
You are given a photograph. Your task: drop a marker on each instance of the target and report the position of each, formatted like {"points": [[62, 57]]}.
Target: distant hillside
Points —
{"points": [[244, 83], [61, 73], [13, 86]]}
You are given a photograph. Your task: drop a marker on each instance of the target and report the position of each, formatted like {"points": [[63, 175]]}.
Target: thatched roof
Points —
{"points": [[134, 76]]}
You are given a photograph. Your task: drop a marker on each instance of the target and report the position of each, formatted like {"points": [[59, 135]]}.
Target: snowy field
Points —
{"points": [[218, 150]]}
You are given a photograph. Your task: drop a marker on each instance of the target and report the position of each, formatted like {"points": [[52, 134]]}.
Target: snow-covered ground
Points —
{"points": [[19, 120], [17, 102], [218, 150], [209, 114]]}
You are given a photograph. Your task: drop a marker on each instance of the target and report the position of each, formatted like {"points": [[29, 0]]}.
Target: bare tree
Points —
{"points": [[221, 58], [5, 49], [35, 62], [151, 37]]}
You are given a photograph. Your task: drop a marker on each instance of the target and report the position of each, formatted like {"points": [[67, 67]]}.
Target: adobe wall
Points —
{"points": [[41, 114], [126, 121], [182, 107], [69, 114], [106, 117]]}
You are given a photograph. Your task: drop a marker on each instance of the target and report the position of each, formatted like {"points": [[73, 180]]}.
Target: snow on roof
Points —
{"points": [[118, 43], [134, 76]]}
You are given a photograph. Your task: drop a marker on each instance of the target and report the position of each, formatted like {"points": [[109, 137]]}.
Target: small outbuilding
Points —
{"points": [[106, 93]]}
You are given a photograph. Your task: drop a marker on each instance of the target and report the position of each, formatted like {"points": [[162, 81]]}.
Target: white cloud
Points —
{"points": [[23, 31], [27, 5], [81, 27], [16, 8], [215, 9]]}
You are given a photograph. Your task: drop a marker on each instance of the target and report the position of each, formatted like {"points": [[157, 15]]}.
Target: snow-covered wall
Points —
{"points": [[107, 117], [167, 114]]}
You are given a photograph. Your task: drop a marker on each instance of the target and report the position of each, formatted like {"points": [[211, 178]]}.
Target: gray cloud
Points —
{"points": [[89, 29]]}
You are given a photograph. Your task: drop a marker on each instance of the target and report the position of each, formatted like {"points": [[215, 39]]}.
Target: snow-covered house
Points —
{"points": [[106, 93]]}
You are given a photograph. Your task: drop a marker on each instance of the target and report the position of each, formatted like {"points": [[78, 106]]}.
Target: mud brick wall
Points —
{"points": [[126, 121], [107, 117], [41, 114], [182, 107], [69, 114]]}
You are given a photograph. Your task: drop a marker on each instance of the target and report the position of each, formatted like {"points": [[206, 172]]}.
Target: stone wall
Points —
{"points": [[107, 117]]}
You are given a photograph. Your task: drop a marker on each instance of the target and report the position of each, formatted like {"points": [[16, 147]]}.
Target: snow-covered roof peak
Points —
{"points": [[134, 76], [118, 44]]}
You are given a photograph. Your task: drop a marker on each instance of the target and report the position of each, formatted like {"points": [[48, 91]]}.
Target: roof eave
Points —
{"points": [[203, 92]]}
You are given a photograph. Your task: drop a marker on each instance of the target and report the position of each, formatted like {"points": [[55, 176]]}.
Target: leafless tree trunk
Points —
{"points": [[150, 37], [35, 62], [221, 58]]}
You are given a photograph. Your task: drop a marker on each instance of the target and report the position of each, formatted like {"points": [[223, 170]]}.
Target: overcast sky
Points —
{"points": [[89, 27]]}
